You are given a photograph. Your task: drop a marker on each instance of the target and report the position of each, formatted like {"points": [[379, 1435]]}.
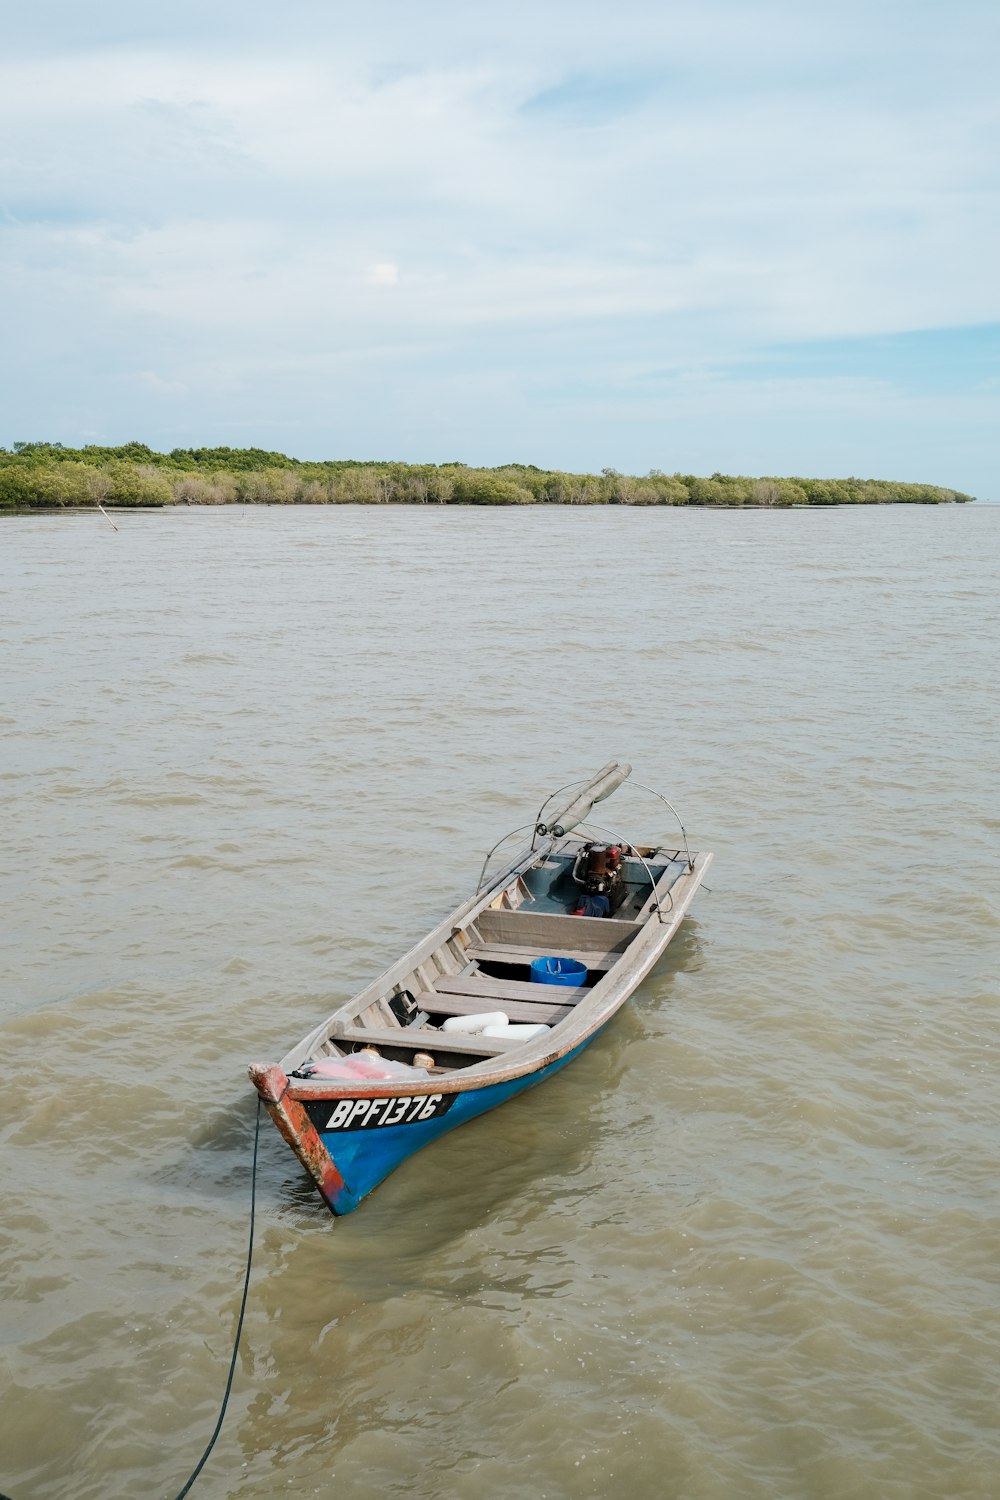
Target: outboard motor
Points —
{"points": [[597, 871]]}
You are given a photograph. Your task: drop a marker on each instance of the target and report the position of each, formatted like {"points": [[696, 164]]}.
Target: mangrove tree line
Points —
{"points": [[45, 475]]}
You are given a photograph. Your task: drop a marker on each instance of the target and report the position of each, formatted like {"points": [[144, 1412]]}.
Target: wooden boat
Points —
{"points": [[416, 1053]]}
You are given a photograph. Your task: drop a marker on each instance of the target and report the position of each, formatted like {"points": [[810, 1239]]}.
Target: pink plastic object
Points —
{"points": [[363, 1065]]}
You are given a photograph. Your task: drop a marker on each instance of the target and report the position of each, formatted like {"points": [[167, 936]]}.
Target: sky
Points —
{"points": [[737, 237]]}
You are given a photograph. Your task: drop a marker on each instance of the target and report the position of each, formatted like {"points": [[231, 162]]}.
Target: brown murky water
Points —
{"points": [[746, 1247]]}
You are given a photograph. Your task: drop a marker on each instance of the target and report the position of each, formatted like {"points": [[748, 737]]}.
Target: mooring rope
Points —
{"points": [[239, 1326]]}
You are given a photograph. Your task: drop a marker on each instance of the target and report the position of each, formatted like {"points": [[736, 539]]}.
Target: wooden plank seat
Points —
{"points": [[485, 987], [425, 1039], [540, 929], [514, 953], [468, 1005]]}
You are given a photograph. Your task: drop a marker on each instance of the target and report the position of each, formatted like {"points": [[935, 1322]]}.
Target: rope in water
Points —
{"points": [[239, 1326]]}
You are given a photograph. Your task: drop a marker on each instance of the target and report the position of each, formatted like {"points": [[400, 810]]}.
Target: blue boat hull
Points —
{"points": [[363, 1158]]}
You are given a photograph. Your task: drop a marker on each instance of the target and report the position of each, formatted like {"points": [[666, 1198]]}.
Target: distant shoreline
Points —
{"points": [[181, 505], [51, 477]]}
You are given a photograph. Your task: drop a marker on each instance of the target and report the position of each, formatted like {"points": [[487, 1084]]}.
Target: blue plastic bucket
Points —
{"points": [[557, 971]]}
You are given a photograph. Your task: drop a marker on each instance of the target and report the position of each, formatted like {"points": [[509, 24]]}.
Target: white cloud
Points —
{"points": [[785, 211], [382, 273], [160, 387], [189, 206]]}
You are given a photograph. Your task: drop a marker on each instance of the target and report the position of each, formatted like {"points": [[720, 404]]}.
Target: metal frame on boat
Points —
{"points": [[460, 1023]]}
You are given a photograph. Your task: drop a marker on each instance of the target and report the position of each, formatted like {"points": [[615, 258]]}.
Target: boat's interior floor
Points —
{"points": [[486, 967]]}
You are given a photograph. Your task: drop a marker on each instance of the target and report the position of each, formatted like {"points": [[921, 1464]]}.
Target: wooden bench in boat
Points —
{"points": [[425, 1039], [485, 987], [468, 1005], [512, 953], [543, 930]]}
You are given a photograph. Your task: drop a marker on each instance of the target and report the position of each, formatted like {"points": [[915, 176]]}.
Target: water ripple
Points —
{"points": [[746, 1246]]}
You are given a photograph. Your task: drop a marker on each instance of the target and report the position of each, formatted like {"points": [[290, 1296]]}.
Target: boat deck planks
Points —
{"points": [[425, 1039], [488, 988], [514, 953], [539, 929], [515, 1010]]}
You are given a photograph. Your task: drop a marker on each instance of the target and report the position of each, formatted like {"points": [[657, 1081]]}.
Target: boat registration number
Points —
{"points": [[370, 1114]]}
